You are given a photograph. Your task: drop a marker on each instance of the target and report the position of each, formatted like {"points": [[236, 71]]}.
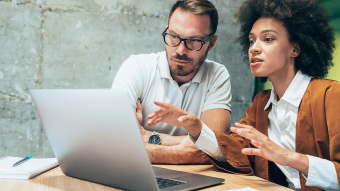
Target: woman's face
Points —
{"points": [[270, 52]]}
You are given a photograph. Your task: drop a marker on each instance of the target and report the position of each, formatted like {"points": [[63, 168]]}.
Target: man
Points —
{"points": [[181, 76]]}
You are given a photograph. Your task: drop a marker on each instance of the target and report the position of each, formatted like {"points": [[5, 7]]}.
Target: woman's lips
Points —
{"points": [[255, 61]]}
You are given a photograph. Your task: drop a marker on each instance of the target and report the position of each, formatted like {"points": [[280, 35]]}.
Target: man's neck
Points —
{"points": [[183, 79]]}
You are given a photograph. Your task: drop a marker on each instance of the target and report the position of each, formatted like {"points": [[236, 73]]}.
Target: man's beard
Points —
{"points": [[180, 70]]}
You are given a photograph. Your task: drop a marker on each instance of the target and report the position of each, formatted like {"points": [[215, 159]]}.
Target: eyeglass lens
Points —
{"points": [[173, 40]]}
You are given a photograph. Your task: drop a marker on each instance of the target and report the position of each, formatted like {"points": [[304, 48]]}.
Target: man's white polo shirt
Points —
{"points": [[147, 76]]}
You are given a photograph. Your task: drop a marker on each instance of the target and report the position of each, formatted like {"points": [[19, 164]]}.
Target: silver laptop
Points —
{"points": [[95, 136]]}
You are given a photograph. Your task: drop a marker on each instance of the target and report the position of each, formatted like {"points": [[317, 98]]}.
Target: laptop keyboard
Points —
{"points": [[163, 182]]}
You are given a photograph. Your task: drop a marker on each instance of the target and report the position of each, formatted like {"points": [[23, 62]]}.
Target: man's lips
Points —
{"points": [[181, 61]]}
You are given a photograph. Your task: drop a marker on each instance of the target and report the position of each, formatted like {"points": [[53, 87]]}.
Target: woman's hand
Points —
{"points": [[269, 150]]}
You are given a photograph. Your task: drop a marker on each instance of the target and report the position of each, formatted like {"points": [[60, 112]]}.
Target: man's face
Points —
{"points": [[182, 61]]}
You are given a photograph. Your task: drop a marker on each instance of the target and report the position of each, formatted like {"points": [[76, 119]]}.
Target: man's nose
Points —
{"points": [[182, 49]]}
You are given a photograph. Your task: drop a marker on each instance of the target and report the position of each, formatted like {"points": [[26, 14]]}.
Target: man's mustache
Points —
{"points": [[183, 57]]}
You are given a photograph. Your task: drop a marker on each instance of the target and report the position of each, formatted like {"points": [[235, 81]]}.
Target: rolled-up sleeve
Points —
{"points": [[208, 143]]}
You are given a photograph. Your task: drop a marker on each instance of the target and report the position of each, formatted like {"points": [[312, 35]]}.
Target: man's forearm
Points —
{"points": [[160, 154], [166, 140]]}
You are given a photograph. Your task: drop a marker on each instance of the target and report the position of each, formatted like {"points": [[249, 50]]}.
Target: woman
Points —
{"points": [[290, 134]]}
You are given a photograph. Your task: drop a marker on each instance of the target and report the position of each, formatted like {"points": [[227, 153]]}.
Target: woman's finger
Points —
{"points": [[245, 132], [251, 151], [239, 125]]}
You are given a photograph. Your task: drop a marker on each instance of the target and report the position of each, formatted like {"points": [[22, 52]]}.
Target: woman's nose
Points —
{"points": [[255, 48]]}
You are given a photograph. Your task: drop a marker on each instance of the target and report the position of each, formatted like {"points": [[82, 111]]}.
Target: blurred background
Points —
{"points": [[333, 6], [82, 43]]}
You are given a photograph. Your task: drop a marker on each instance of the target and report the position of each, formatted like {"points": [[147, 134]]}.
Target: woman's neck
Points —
{"points": [[281, 82]]}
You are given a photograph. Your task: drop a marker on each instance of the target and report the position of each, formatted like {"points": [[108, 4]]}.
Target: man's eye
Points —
{"points": [[193, 40], [173, 36]]}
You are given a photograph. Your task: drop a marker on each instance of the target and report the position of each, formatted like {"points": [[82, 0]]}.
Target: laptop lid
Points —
{"points": [[95, 136]]}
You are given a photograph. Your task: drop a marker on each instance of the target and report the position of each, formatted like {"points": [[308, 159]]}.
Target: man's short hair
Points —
{"points": [[198, 7]]}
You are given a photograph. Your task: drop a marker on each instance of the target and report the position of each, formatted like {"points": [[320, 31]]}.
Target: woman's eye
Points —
{"points": [[268, 39]]}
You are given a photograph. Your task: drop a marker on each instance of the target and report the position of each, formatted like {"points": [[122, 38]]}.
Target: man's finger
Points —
{"points": [[150, 123], [139, 106], [158, 112], [164, 105], [153, 121], [169, 107], [138, 103]]}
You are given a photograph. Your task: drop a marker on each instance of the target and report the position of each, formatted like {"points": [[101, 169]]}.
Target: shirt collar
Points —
{"points": [[164, 66], [165, 71], [294, 92]]}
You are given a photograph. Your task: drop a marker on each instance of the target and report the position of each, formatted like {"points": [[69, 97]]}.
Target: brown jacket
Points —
{"points": [[317, 131]]}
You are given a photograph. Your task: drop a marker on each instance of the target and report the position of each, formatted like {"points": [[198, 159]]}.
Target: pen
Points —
{"points": [[26, 158]]}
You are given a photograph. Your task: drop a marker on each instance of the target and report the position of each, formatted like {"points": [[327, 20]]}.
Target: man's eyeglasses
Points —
{"points": [[190, 43]]}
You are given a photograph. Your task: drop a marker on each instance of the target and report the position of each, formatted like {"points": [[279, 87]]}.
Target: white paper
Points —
{"points": [[26, 170]]}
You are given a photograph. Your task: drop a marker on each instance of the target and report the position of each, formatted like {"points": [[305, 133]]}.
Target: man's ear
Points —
{"points": [[212, 42], [296, 50]]}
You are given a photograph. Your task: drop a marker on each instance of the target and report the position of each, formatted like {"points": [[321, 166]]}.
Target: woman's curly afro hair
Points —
{"points": [[307, 25]]}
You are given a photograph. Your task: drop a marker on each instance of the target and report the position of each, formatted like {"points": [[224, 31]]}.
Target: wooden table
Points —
{"points": [[55, 180]]}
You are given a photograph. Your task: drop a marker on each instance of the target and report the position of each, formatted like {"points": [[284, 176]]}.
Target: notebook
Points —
{"points": [[95, 137], [27, 170]]}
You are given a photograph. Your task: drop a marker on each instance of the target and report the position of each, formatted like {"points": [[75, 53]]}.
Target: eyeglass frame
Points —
{"points": [[185, 40]]}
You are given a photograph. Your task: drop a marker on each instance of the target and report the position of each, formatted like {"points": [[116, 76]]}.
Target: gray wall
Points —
{"points": [[81, 44]]}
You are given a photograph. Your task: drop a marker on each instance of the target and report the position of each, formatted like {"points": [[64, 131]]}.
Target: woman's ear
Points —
{"points": [[296, 50]]}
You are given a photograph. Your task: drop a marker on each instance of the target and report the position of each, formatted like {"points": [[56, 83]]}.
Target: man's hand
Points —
{"points": [[184, 153], [139, 115], [269, 150], [195, 155], [176, 116]]}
